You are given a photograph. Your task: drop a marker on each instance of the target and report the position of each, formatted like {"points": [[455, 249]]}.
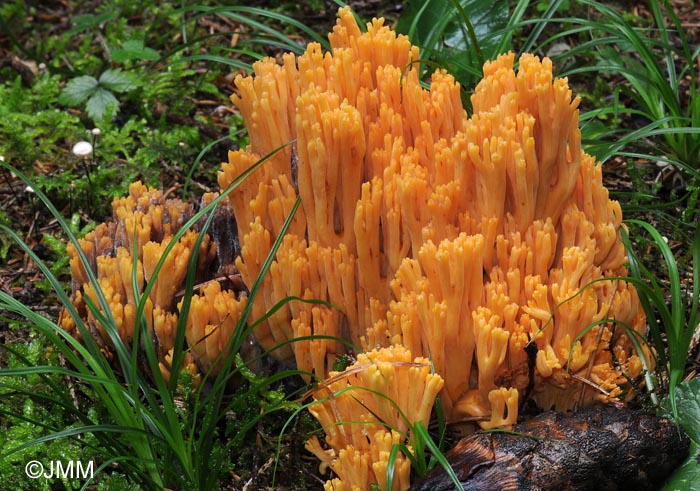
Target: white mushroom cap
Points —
{"points": [[82, 149]]}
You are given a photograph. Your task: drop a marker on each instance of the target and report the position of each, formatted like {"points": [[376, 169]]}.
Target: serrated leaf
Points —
{"points": [[687, 398], [686, 477], [78, 90], [134, 49], [100, 101], [118, 81]]}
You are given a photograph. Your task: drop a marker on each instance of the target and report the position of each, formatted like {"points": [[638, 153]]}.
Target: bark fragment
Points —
{"points": [[596, 449]]}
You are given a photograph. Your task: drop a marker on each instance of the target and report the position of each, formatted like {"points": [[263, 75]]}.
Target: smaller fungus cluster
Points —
{"points": [[377, 399], [145, 222]]}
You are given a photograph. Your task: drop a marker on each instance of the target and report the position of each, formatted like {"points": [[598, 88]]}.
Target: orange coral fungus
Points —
{"points": [[461, 238], [211, 323], [375, 398], [146, 222]]}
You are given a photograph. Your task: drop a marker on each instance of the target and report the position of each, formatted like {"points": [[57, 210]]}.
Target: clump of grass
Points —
{"points": [[661, 90], [671, 306]]}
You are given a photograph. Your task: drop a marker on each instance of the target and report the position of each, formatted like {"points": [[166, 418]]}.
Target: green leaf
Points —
{"points": [[134, 49], [686, 477], [100, 101], [687, 397], [118, 81], [437, 24], [88, 21], [78, 90], [458, 35]]}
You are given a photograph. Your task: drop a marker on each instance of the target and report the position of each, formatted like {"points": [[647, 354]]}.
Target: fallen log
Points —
{"points": [[596, 449]]}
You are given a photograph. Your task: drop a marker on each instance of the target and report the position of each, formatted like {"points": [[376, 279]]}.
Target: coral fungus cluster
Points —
{"points": [[461, 238], [146, 222], [484, 248], [371, 398]]}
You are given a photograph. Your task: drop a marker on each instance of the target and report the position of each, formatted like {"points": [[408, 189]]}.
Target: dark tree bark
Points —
{"points": [[597, 449]]}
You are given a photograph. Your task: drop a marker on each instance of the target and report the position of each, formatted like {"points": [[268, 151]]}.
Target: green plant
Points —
{"points": [[98, 94], [687, 394], [134, 49], [658, 64], [671, 326], [648, 60], [4, 240], [143, 428], [12, 15], [31, 127], [255, 32], [543, 6], [459, 35]]}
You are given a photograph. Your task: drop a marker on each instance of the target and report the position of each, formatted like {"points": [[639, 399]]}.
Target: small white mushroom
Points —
{"points": [[82, 149]]}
